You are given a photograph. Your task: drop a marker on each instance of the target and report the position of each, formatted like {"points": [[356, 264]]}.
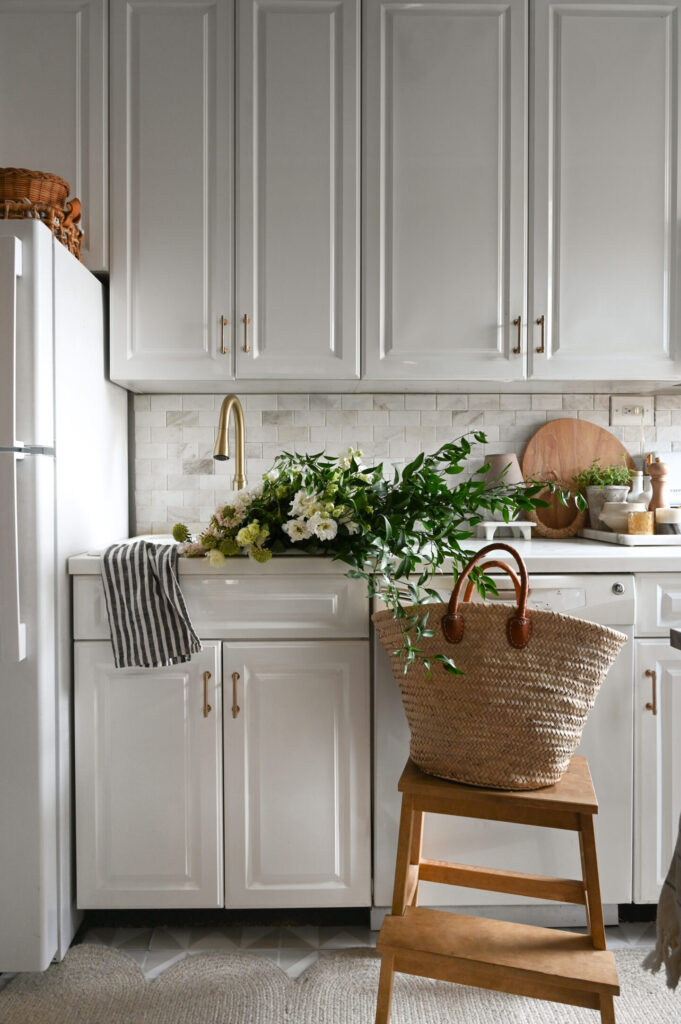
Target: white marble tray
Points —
{"points": [[633, 539]]}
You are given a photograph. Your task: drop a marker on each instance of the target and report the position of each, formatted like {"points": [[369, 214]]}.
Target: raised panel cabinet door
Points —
{"points": [[604, 269], [445, 163], [657, 764], [297, 196], [171, 191], [54, 103], [148, 781], [297, 774]]}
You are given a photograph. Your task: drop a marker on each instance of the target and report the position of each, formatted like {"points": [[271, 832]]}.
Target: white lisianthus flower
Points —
{"points": [[215, 557], [271, 475], [352, 528], [305, 504], [297, 529], [257, 489], [323, 526]]}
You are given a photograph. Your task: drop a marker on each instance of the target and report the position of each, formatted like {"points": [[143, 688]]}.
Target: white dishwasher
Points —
{"points": [[607, 742]]}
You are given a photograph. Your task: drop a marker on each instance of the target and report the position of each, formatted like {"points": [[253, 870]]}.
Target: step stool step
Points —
{"points": [[482, 951]]}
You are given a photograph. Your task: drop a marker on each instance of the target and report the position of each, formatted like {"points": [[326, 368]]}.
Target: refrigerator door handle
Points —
{"points": [[12, 629], [10, 270]]}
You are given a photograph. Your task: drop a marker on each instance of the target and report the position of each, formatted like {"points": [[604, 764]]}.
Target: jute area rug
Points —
{"points": [[100, 985]]}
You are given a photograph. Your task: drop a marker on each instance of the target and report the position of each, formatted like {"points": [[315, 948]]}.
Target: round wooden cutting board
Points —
{"points": [[561, 449]]}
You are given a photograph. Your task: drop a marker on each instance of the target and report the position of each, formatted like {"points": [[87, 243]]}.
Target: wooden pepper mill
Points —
{"points": [[657, 471]]}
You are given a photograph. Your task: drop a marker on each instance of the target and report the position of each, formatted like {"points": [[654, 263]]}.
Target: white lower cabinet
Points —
{"points": [[657, 764], [148, 787], [297, 774]]}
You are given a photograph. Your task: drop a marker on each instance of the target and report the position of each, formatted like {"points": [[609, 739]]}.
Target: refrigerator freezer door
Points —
{"points": [[10, 270], [26, 334], [12, 629], [28, 785]]}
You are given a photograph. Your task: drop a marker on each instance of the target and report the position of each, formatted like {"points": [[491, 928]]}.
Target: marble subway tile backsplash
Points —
{"points": [[176, 478]]}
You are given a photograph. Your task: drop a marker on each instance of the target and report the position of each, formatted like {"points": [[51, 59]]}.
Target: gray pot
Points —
{"points": [[597, 496]]}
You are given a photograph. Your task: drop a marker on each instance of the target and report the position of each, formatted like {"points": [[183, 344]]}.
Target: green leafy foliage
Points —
{"points": [[596, 475], [396, 534]]}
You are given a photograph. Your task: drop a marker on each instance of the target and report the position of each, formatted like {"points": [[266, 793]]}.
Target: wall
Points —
{"points": [[176, 478]]}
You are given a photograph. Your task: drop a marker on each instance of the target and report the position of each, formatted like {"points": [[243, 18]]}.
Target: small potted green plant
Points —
{"points": [[601, 484]]}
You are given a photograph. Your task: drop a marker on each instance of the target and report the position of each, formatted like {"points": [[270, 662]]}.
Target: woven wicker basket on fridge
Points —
{"points": [[514, 717]]}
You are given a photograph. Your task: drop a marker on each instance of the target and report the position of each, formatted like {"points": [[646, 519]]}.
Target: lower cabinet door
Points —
{"points": [[297, 774], [148, 781], [657, 764]]}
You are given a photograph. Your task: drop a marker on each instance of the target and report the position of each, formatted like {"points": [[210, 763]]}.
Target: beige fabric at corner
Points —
{"points": [[98, 985], [667, 951]]}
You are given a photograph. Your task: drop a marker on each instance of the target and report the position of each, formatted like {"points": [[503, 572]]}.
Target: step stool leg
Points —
{"points": [[607, 1010], [594, 907], [415, 857], [385, 990], [403, 870]]}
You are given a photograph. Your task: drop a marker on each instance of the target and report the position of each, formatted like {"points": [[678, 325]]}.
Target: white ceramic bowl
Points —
{"points": [[614, 514]]}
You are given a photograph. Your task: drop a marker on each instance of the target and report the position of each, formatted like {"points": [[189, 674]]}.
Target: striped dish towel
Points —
{"points": [[148, 617]]}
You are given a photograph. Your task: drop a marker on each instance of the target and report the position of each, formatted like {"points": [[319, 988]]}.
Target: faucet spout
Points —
{"points": [[231, 406]]}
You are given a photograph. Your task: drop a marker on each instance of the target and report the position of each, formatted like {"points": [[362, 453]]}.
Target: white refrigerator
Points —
{"points": [[63, 489]]}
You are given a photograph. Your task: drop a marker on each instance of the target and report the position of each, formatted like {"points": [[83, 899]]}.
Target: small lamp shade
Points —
{"points": [[503, 468]]}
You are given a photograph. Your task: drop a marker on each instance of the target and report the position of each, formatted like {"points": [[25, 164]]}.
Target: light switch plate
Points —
{"points": [[632, 411]]}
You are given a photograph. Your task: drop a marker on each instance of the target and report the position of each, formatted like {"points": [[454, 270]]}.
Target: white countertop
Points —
{"points": [[545, 556]]}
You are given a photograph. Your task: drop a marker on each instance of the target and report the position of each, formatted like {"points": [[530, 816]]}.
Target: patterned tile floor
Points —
{"points": [[293, 948]]}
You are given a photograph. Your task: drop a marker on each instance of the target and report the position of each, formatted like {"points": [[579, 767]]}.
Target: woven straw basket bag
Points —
{"points": [[515, 716]]}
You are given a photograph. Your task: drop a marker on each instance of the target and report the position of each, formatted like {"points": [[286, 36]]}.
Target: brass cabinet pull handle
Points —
{"points": [[235, 707], [223, 323], [206, 706], [540, 323], [246, 321], [651, 705], [518, 323]]}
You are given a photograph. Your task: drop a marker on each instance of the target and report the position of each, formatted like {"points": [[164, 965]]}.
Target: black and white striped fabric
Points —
{"points": [[148, 618]]}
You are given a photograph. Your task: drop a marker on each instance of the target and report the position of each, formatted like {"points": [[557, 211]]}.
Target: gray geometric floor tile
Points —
{"points": [[133, 938], [294, 962], [261, 938], [158, 962], [346, 938], [206, 939], [169, 938], [265, 954], [638, 933], [139, 956], [301, 938], [100, 936]]}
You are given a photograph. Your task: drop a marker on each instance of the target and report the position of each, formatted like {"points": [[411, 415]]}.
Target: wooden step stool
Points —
{"points": [[546, 963]]}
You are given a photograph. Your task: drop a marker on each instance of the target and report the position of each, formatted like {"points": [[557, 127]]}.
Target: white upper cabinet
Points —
{"points": [[445, 179], [604, 195], [54, 66], [172, 157], [297, 198]]}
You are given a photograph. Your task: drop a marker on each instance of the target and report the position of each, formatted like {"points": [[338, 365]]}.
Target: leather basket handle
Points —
{"points": [[494, 564], [518, 626]]}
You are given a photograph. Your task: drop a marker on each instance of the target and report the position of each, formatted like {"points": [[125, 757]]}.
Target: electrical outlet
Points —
{"points": [[632, 411]]}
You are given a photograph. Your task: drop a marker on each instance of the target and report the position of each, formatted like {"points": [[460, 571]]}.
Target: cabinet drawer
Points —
{"points": [[658, 604], [245, 607]]}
